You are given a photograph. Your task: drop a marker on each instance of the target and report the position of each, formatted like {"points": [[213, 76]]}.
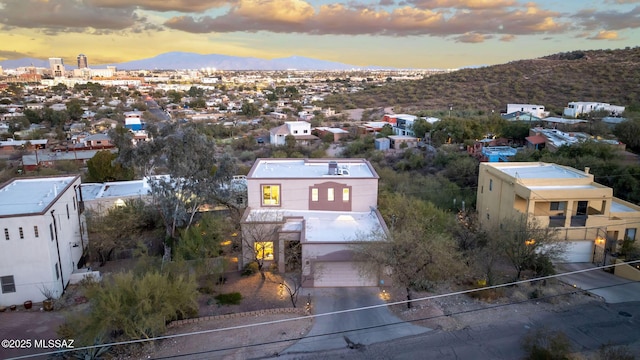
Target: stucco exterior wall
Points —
{"points": [[294, 193], [32, 260]]}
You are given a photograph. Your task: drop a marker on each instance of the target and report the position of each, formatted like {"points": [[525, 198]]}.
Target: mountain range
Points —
{"points": [[186, 60]]}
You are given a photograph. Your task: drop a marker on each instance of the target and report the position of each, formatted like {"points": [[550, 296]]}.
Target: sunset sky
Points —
{"points": [[394, 33]]}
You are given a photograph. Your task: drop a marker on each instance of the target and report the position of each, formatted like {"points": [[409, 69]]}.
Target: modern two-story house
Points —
{"points": [[43, 237], [589, 218], [319, 206]]}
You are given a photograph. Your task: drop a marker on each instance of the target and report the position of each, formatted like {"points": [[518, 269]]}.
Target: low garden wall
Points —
{"points": [[626, 271], [299, 311]]}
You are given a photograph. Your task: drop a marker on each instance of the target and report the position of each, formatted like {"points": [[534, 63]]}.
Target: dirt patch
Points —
{"points": [[240, 343], [460, 311], [257, 294], [244, 341]]}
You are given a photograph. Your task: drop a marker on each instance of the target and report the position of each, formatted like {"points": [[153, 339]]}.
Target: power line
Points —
{"points": [[462, 292]]}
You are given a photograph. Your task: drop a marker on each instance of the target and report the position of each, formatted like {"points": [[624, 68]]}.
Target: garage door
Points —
{"points": [[579, 251], [341, 274]]}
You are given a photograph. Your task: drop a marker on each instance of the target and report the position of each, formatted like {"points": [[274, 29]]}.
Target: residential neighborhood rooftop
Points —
{"points": [[27, 196], [539, 171], [92, 191], [308, 168]]}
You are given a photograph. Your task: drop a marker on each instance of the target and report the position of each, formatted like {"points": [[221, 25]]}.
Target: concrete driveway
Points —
{"points": [[611, 288], [329, 331]]}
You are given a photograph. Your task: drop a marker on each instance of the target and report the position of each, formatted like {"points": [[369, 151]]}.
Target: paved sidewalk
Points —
{"points": [[611, 288], [28, 325]]}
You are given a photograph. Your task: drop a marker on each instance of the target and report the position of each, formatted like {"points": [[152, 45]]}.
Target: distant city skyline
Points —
{"points": [[401, 34]]}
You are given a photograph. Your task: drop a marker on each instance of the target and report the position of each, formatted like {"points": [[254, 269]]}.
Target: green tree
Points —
{"points": [[102, 167], [629, 133], [250, 109], [527, 245], [417, 249], [203, 240], [74, 108], [421, 127], [119, 228]]}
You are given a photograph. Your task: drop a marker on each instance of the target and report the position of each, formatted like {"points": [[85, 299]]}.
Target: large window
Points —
{"points": [[271, 195], [314, 194], [630, 234], [330, 194], [264, 250], [558, 205], [8, 284]]}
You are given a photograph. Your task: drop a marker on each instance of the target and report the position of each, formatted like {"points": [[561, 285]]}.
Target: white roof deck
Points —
{"points": [[327, 226], [30, 196], [618, 207], [541, 171], [117, 189], [303, 168], [563, 187]]}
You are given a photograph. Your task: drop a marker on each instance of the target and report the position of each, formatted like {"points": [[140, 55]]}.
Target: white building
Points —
{"points": [[301, 130], [576, 108], [326, 206], [535, 110], [43, 237]]}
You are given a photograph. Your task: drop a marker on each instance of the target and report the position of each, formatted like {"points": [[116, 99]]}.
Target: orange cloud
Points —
{"points": [[463, 4], [507, 38], [472, 38], [162, 5], [605, 35], [294, 11]]}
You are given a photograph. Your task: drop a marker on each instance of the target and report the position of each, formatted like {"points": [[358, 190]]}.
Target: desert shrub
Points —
{"points": [[488, 294], [247, 156], [233, 298], [250, 269], [543, 344], [609, 352], [129, 306], [541, 265]]}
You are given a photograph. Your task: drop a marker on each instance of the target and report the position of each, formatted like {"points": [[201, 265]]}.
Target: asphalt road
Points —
{"points": [[327, 300], [587, 326], [153, 108], [611, 288]]}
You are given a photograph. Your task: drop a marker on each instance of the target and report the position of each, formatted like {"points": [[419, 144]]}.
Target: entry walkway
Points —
{"points": [[360, 327], [611, 288]]}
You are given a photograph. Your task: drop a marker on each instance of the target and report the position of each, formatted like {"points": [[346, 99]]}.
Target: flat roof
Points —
{"points": [[29, 196], [92, 191], [540, 171], [620, 207], [328, 226], [565, 187], [309, 168]]}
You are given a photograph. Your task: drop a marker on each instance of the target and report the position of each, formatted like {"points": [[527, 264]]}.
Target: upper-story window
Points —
{"points": [[558, 205], [271, 195], [295, 131], [630, 234]]}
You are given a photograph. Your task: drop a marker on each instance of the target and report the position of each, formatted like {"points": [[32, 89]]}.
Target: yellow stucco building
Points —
{"points": [[586, 213]]}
